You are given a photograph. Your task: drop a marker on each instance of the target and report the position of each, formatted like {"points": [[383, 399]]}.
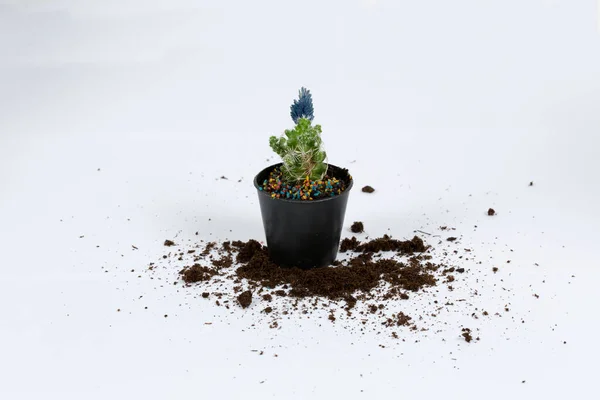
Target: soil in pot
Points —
{"points": [[332, 184]]}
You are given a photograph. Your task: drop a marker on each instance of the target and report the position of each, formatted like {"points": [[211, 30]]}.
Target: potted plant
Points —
{"points": [[302, 199]]}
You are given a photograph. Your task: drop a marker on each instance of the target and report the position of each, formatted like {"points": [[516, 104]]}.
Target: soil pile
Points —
{"points": [[381, 284], [373, 274]]}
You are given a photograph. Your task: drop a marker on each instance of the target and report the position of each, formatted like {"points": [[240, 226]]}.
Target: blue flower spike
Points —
{"points": [[303, 107]]}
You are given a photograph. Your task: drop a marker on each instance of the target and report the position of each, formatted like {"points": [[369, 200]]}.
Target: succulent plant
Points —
{"points": [[301, 148], [301, 152]]}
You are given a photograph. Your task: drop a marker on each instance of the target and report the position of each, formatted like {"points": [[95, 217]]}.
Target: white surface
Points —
{"points": [[448, 108]]}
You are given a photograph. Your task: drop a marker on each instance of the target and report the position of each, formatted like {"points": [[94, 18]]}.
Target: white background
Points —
{"points": [[117, 118]]}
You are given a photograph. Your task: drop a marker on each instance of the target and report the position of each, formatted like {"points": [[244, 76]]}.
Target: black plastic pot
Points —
{"points": [[303, 233]]}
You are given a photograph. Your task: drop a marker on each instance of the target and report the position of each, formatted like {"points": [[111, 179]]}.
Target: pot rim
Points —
{"points": [[296, 201]]}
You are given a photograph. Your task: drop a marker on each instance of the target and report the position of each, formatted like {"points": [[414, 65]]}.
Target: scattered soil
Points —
{"points": [[209, 247], [376, 284], [366, 277], [368, 189], [399, 319], [245, 299], [491, 212], [385, 243], [357, 227]]}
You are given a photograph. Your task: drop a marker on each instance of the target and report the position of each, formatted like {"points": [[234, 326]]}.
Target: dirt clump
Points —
{"points": [[368, 189], [169, 243], [385, 243], [245, 299], [349, 244], [247, 250], [197, 273], [491, 212], [467, 335], [357, 227], [402, 319], [223, 262], [267, 297]]}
